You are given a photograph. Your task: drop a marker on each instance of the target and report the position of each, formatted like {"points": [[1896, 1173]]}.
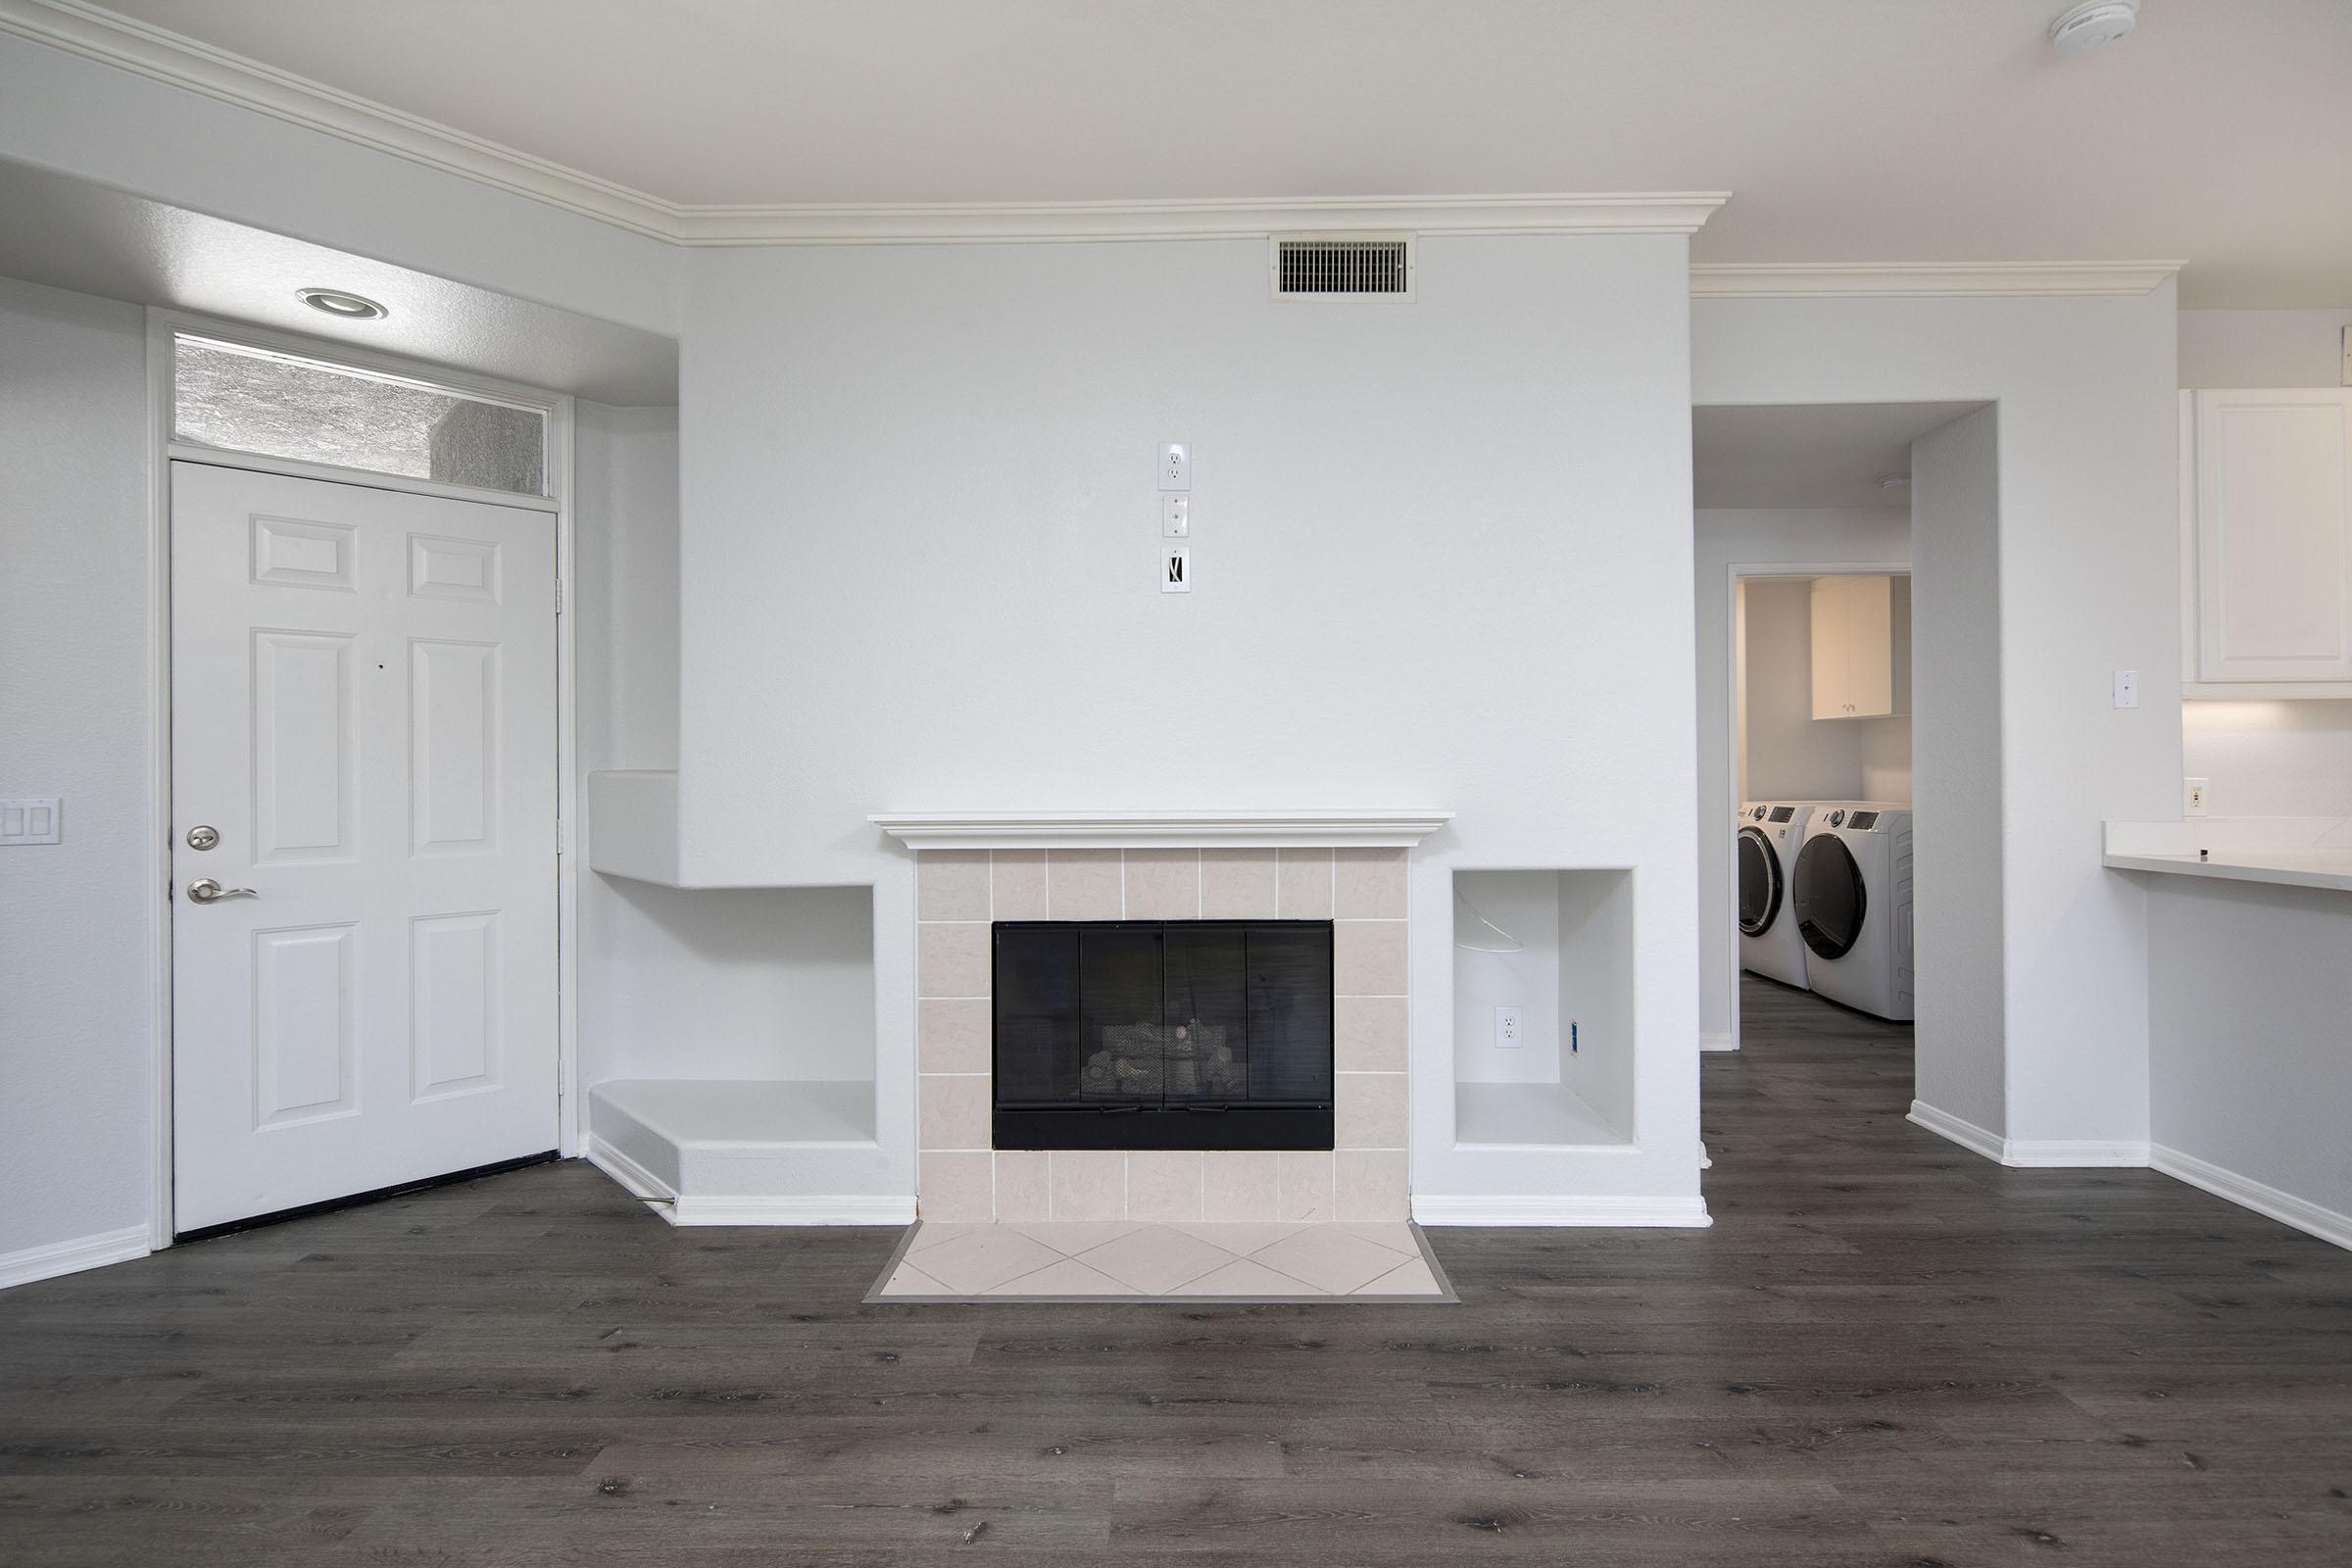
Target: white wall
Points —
{"points": [[1960, 1064], [1728, 539], [2251, 1059], [2263, 347], [1527, 905], [60, 111], [2087, 561], [1441, 549], [2282, 758], [76, 922]]}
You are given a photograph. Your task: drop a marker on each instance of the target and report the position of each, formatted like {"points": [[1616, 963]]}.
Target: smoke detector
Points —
{"points": [[2086, 26]]}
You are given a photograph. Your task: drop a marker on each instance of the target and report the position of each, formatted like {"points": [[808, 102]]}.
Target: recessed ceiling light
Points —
{"points": [[1894, 481], [335, 302], [2086, 26]]}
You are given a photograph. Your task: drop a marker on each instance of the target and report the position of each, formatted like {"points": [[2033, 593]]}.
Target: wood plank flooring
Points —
{"points": [[1887, 1351]]}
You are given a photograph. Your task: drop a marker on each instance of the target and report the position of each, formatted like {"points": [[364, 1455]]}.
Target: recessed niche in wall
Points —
{"points": [[737, 1041], [1543, 1007]]}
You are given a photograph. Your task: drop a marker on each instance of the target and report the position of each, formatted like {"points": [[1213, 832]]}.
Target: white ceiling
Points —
{"points": [[68, 233], [1849, 131], [1808, 455]]}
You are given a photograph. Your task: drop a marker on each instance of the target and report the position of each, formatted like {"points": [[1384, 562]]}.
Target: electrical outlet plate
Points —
{"points": [[1175, 466], [2192, 796], [1176, 569], [2347, 342], [1508, 1033], [31, 821], [1175, 516]]}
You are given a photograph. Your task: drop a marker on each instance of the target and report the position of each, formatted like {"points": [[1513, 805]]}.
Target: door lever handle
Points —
{"points": [[204, 890]]}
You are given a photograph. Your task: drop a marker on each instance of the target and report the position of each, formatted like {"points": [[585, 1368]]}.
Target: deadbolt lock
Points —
{"points": [[201, 836]]}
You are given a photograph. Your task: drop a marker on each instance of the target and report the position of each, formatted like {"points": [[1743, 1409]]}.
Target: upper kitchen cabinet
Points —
{"points": [[2266, 504], [1861, 647]]}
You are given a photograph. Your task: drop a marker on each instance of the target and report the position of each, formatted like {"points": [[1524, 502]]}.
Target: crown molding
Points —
{"points": [[1799, 280], [161, 54], [94, 34], [1145, 830], [1240, 217]]}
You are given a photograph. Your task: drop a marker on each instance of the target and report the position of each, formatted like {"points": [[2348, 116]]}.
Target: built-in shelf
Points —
{"points": [[1562, 1078], [634, 825], [741, 1151]]}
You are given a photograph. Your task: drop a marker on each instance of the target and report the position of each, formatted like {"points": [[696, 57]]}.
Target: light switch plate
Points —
{"points": [[1175, 516], [1175, 466], [31, 821], [1176, 569]]}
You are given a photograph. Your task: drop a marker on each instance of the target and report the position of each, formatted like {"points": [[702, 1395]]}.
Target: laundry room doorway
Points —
{"points": [[1828, 642]]}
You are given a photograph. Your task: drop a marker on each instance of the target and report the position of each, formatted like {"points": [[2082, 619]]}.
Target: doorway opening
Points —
{"points": [[1848, 711]]}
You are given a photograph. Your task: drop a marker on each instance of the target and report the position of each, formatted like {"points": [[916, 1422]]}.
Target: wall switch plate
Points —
{"points": [[1175, 466], [2127, 688], [2192, 796], [1176, 569], [1175, 516], [1508, 1036], [34, 821]]}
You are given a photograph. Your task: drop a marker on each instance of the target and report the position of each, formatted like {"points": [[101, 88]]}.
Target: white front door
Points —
{"points": [[363, 732]]}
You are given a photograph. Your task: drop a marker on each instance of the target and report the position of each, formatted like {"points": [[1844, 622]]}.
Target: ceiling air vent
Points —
{"points": [[1365, 266]]}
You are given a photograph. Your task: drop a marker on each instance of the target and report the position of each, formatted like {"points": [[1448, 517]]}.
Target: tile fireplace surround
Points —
{"points": [[1346, 869]]}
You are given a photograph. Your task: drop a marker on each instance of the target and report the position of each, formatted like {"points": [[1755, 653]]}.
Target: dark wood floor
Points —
{"points": [[1887, 1351]]}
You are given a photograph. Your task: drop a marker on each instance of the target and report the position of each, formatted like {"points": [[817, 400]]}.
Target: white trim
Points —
{"points": [[30, 1263], [161, 55], [1721, 1039], [842, 1209], [1446, 1208], [162, 326], [641, 1183], [2074, 1152], [1797, 280], [1234, 218], [2327, 1224], [1966, 1134], [1143, 830], [2031, 1154]]}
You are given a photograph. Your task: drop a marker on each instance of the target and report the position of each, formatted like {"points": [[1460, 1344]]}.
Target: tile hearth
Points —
{"points": [[1133, 1260]]}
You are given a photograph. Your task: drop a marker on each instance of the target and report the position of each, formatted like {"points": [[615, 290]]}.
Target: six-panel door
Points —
{"points": [[364, 709]]}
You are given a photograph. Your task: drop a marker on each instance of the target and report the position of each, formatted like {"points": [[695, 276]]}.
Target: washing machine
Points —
{"points": [[1769, 836], [1851, 891]]}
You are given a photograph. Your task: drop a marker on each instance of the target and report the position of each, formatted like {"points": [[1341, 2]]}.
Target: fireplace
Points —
{"points": [[1162, 1034]]}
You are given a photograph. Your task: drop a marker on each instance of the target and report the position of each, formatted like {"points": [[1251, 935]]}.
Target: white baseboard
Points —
{"points": [[24, 1266], [2285, 1207], [1717, 1040], [640, 1182], [852, 1209], [2029, 1153], [2034, 1153], [1446, 1209], [1966, 1134]]}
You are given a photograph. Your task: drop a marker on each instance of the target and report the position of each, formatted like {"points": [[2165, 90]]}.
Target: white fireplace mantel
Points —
{"points": [[1148, 830]]}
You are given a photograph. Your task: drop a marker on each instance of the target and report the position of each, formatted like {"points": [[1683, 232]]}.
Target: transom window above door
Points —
{"points": [[234, 398]]}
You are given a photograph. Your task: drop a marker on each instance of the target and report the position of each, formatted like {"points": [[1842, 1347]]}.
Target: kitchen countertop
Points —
{"points": [[2285, 852]]}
